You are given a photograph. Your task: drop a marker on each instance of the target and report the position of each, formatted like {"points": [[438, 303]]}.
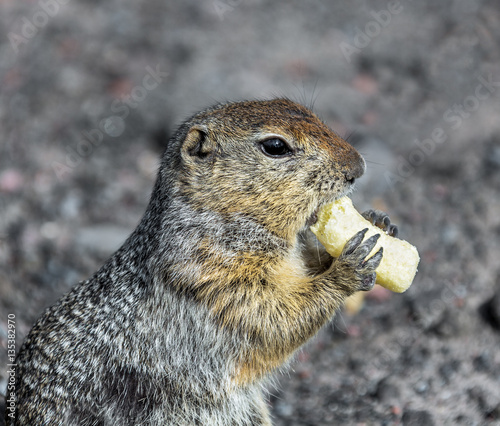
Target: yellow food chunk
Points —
{"points": [[339, 221], [354, 303]]}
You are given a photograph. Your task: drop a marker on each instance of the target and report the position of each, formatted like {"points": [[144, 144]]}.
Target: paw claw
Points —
{"points": [[381, 220], [354, 243], [370, 242], [354, 256], [364, 249], [373, 262], [392, 230]]}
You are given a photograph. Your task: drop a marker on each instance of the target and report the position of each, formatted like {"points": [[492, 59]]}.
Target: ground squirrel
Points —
{"points": [[215, 289]]}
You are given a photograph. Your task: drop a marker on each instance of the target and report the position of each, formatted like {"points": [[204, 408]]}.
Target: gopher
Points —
{"points": [[217, 287]]}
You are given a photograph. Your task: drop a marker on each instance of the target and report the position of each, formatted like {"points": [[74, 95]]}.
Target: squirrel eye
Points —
{"points": [[275, 147]]}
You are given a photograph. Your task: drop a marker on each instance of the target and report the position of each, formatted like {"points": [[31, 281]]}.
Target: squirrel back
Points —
{"points": [[214, 290]]}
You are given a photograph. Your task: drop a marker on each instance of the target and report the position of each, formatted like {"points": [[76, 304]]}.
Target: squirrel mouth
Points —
{"points": [[311, 220]]}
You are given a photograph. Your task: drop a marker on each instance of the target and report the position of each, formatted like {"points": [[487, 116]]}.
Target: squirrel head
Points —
{"points": [[274, 162]]}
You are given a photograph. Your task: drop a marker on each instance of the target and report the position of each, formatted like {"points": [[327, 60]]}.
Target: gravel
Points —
{"points": [[90, 91]]}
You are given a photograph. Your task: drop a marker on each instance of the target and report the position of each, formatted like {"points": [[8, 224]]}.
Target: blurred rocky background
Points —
{"points": [[90, 92]]}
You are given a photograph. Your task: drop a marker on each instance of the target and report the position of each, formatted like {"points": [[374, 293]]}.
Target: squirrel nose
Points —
{"points": [[355, 170]]}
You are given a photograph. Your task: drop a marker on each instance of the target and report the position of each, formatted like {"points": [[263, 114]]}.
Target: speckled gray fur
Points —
{"points": [[123, 333]]}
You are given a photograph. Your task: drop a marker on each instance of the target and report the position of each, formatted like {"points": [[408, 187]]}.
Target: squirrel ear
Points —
{"points": [[197, 144]]}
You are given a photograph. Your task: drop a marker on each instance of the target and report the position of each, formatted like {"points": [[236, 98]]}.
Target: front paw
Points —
{"points": [[354, 255], [381, 220]]}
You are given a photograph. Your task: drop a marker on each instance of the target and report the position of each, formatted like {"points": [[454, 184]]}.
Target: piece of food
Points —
{"points": [[339, 221], [354, 303]]}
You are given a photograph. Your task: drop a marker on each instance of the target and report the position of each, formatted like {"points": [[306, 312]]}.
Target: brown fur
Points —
{"points": [[214, 290], [268, 294]]}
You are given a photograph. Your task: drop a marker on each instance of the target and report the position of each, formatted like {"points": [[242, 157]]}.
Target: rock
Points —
{"points": [[494, 414], [427, 310], [482, 362], [422, 387], [476, 394], [436, 313], [417, 418], [386, 391], [490, 311], [490, 409], [416, 357], [492, 156], [462, 419], [448, 369]]}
